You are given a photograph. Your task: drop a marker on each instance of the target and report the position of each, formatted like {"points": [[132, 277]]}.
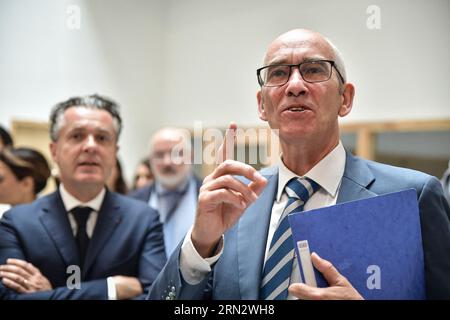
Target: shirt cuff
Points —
{"points": [[193, 267], [112, 294]]}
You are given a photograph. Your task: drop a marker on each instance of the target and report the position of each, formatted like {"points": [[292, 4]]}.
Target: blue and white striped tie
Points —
{"points": [[278, 267]]}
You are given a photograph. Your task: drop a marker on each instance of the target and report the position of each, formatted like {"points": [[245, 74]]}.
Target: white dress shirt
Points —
{"points": [[70, 202], [3, 208], [327, 173]]}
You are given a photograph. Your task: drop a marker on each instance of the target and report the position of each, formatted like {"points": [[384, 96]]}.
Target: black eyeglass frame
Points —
{"points": [[333, 65]]}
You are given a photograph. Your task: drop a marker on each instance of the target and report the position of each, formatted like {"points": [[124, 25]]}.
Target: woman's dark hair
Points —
{"points": [[27, 162], [144, 162], [5, 137], [120, 186]]}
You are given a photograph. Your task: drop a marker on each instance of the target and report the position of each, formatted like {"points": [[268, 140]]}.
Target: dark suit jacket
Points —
{"points": [[127, 240], [144, 193], [446, 183], [237, 274]]}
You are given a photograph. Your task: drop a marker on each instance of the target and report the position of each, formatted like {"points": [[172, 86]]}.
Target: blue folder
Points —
{"points": [[375, 243]]}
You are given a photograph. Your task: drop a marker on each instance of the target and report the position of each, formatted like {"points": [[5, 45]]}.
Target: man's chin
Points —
{"points": [[90, 179], [170, 181]]}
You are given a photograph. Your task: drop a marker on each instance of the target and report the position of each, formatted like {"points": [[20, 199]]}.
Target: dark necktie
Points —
{"points": [[278, 267], [81, 215]]}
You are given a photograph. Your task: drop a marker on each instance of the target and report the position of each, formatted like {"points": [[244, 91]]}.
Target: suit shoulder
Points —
{"points": [[265, 172], [141, 194], [133, 205], [399, 175], [269, 171], [28, 210], [130, 201]]}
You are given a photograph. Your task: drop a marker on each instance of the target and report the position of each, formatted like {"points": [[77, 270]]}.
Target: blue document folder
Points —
{"points": [[375, 243]]}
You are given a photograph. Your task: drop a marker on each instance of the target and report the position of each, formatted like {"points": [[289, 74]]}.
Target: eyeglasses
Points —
{"points": [[311, 71], [174, 155]]}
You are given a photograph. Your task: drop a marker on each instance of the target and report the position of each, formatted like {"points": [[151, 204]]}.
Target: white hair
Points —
{"points": [[338, 59], [173, 133]]}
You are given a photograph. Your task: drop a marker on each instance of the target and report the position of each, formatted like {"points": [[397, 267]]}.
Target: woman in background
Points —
{"points": [[144, 175], [116, 181], [23, 174]]}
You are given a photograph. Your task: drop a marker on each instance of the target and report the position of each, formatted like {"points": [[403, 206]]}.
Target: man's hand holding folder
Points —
{"points": [[339, 289]]}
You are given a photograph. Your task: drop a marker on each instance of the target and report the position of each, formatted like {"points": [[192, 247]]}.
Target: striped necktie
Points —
{"points": [[278, 267]]}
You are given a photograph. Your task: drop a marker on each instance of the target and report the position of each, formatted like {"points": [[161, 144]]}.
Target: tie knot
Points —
{"points": [[81, 215], [301, 188]]}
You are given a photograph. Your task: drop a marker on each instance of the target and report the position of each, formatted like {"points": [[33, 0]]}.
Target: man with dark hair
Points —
{"points": [[82, 241]]}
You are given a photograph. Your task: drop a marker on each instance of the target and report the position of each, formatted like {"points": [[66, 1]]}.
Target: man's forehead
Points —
{"points": [[81, 117], [304, 45], [86, 112], [163, 144], [88, 124], [168, 136], [294, 55]]}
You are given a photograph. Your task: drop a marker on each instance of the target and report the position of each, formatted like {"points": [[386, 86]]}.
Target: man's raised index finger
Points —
{"points": [[226, 149]]}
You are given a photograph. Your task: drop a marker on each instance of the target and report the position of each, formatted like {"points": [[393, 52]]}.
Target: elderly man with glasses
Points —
{"points": [[229, 252]]}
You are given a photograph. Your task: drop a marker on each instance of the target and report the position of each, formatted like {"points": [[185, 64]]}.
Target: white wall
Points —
{"points": [[175, 62], [116, 52], [213, 48]]}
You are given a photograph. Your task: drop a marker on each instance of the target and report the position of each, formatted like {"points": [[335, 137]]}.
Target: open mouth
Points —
{"points": [[297, 108], [88, 163]]}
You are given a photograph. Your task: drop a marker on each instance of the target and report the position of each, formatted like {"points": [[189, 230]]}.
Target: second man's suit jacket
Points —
{"points": [[127, 240], [237, 274]]}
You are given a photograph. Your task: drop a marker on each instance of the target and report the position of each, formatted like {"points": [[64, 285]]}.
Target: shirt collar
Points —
{"points": [[71, 202], [327, 173]]}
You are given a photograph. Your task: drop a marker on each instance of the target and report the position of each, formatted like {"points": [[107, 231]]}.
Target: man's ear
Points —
{"points": [[347, 100], [52, 146], [261, 110], [28, 183]]}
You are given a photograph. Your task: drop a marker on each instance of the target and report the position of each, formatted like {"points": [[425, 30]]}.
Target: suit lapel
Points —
{"points": [[108, 219], [252, 236], [56, 222], [356, 180]]}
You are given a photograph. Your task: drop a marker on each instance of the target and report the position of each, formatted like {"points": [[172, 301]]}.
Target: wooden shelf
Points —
{"points": [[366, 132]]}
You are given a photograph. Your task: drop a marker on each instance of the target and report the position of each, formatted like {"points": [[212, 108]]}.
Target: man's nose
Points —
{"points": [[295, 85], [167, 159], [90, 143]]}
